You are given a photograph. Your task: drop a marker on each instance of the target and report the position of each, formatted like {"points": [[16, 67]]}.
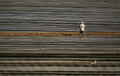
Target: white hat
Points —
{"points": [[82, 22]]}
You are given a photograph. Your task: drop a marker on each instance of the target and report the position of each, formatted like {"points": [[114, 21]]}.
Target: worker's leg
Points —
{"points": [[81, 33]]}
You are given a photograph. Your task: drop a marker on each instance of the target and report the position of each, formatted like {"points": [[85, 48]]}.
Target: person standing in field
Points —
{"points": [[82, 28]]}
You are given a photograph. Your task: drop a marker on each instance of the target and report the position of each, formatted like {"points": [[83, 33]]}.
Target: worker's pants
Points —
{"points": [[81, 32]]}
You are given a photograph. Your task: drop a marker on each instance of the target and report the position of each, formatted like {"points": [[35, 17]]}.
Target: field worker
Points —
{"points": [[82, 28]]}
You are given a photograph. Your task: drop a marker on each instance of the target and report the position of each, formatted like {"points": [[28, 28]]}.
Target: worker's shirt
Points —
{"points": [[82, 27]]}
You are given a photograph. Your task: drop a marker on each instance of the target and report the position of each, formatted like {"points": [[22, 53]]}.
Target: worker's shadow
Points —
{"points": [[82, 37]]}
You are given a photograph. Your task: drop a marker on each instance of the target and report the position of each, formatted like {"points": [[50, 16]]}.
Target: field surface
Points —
{"points": [[41, 38]]}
